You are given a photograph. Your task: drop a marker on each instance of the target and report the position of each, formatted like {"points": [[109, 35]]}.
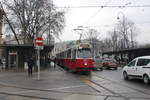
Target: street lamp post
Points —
{"points": [[132, 42], [123, 22], [118, 18]]}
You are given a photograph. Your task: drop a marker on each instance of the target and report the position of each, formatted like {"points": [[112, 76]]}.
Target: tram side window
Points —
{"points": [[57, 56], [69, 53], [60, 55], [74, 54], [65, 56]]}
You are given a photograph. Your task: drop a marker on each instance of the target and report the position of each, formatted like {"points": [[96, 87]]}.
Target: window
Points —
{"points": [[84, 53], [143, 62], [69, 53], [132, 63], [65, 54], [73, 54]]}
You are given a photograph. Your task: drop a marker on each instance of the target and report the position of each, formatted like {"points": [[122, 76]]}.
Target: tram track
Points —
{"points": [[23, 95], [95, 86], [42, 90], [27, 96], [25, 89], [113, 92], [45, 98], [121, 84], [86, 79]]}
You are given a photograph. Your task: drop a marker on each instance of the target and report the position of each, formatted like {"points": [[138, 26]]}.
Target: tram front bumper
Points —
{"points": [[85, 69]]}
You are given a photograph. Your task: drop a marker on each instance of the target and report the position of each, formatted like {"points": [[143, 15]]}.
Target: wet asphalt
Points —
{"points": [[57, 84]]}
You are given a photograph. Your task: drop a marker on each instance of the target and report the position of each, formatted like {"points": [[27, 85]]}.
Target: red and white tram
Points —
{"points": [[77, 58]]}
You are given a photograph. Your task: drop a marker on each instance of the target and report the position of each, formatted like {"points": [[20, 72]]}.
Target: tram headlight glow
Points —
{"points": [[85, 64]]}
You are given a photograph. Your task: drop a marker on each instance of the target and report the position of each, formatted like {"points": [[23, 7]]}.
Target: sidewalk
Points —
{"points": [[54, 84]]}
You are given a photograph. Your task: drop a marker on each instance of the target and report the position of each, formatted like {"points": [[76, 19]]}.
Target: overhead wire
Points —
{"points": [[108, 6], [104, 6], [94, 15]]}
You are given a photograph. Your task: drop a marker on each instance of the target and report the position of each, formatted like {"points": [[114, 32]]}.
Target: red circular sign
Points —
{"points": [[39, 41]]}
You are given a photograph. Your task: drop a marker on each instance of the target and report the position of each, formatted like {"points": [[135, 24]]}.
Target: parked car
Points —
{"points": [[110, 63], [98, 64], [138, 68]]}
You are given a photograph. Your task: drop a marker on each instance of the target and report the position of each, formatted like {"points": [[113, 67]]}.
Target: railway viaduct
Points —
{"points": [[129, 54]]}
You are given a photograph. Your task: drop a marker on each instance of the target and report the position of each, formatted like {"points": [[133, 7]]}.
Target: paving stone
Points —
{"points": [[84, 97]]}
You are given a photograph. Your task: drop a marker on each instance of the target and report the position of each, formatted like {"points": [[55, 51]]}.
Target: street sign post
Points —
{"points": [[39, 46]]}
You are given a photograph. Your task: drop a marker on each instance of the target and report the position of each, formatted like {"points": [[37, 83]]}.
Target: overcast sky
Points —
{"points": [[104, 19]]}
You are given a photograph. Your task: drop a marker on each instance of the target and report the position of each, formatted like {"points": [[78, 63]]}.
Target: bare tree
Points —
{"points": [[1, 20], [123, 36], [114, 40], [93, 36], [127, 31], [106, 45], [34, 18]]}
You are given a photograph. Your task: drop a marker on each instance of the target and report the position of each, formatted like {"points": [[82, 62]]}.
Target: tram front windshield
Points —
{"points": [[84, 53]]}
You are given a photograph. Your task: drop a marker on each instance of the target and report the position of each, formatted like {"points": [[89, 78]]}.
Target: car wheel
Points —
{"points": [[125, 75], [146, 79]]}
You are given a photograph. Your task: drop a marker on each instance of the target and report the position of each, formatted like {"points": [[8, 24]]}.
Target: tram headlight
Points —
{"points": [[85, 64]]}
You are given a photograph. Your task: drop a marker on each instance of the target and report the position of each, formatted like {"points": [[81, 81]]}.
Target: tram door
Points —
{"points": [[73, 57], [13, 60]]}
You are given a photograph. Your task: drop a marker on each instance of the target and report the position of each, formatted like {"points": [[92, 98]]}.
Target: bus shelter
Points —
{"points": [[15, 56]]}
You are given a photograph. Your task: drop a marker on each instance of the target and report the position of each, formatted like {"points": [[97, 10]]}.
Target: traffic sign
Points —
{"points": [[39, 45], [39, 41]]}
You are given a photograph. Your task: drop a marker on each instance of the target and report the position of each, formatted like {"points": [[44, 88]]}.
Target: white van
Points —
{"points": [[138, 68]]}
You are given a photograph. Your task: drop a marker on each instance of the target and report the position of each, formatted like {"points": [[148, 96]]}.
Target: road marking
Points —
{"points": [[66, 87], [25, 91]]}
